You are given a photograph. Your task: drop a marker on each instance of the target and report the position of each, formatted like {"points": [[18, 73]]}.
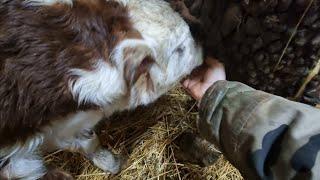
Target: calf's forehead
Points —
{"points": [[156, 20]]}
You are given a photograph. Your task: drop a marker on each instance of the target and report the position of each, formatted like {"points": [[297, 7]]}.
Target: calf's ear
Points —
{"points": [[137, 57]]}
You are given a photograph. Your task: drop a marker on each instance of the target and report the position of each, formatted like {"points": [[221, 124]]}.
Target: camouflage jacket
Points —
{"points": [[263, 135]]}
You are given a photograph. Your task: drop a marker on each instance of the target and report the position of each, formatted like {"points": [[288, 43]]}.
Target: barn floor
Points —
{"points": [[146, 135]]}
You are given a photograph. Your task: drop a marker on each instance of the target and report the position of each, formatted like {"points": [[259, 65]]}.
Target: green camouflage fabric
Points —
{"points": [[263, 135]]}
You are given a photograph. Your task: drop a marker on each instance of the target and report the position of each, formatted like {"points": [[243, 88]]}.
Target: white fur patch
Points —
{"points": [[24, 162], [29, 167], [47, 2], [106, 83], [101, 86], [29, 146]]}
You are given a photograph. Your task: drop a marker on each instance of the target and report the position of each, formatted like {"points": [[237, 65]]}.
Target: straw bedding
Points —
{"points": [[147, 136]]}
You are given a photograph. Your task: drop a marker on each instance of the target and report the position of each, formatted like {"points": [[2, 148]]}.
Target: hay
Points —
{"points": [[312, 73], [146, 136]]}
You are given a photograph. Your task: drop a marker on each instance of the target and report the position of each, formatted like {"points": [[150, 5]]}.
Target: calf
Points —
{"points": [[66, 64]]}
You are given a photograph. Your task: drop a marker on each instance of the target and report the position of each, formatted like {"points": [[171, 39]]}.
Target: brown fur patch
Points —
{"points": [[38, 47]]}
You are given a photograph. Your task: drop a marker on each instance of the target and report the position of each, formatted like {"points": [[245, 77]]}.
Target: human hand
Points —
{"points": [[203, 77]]}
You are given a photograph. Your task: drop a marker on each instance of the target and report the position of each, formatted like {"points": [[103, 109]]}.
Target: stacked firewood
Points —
{"points": [[272, 45]]}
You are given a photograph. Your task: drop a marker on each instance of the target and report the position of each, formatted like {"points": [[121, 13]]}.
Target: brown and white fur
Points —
{"points": [[65, 64]]}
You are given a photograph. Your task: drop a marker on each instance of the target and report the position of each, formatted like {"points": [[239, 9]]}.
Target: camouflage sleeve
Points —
{"points": [[263, 135]]}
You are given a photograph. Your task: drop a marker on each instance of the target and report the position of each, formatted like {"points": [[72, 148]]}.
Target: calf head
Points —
{"points": [[146, 65], [169, 38]]}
